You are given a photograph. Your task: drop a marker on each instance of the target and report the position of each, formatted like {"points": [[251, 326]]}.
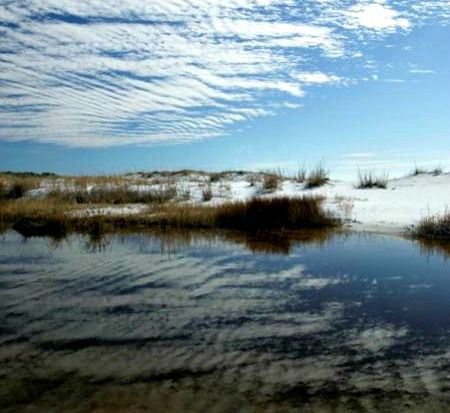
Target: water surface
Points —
{"points": [[148, 323]]}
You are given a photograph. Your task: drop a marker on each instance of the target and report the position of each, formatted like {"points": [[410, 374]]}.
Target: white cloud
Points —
{"points": [[375, 16], [422, 71], [110, 72], [316, 77]]}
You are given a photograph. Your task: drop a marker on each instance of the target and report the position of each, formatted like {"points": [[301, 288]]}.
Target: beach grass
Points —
{"points": [[368, 179], [318, 176]]}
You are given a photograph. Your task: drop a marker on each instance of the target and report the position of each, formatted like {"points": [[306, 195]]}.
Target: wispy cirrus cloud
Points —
{"points": [[112, 72]]}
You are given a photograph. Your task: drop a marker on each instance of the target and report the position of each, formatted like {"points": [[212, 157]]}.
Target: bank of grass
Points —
{"points": [[51, 217]]}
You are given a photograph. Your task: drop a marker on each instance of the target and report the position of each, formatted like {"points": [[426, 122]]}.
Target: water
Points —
{"points": [[208, 324]]}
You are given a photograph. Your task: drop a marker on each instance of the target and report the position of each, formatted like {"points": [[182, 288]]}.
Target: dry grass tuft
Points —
{"points": [[319, 176], [271, 182], [207, 193], [301, 174], [368, 179], [418, 171], [436, 171]]}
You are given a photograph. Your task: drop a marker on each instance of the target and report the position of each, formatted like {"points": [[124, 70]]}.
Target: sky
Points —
{"points": [[109, 86]]}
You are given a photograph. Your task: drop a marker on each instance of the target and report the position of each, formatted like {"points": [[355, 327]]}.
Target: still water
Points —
{"points": [[141, 323]]}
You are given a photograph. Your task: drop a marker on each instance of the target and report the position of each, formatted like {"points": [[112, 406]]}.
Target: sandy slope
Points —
{"points": [[401, 205]]}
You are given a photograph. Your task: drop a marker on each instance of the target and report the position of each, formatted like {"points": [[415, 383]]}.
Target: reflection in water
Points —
{"points": [[434, 246], [197, 323]]}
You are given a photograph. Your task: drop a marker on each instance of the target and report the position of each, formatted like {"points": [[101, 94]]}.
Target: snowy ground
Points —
{"points": [[393, 210]]}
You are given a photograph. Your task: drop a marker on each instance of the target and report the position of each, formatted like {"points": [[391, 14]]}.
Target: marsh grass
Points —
{"points": [[368, 179], [276, 213], [14, 187], [256, 214], [112, 195], [50, 217], [434, 227]]}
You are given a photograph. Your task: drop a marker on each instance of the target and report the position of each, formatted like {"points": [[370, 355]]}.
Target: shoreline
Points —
{"points": [[191, 199]]}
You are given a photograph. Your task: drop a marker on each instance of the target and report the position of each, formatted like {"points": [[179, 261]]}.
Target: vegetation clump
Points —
{"points": [[436, 171], [418, 171], [319, 176], [207, 194], [256, 214], [434, 227], [271, 182], [276, 213], [368, 179]]}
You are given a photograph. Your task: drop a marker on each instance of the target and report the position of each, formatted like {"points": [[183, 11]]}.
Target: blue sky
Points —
{"points": [[114, 86]]}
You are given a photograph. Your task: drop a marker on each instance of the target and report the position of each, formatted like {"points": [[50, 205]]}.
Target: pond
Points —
{"points": [[141, 322]]}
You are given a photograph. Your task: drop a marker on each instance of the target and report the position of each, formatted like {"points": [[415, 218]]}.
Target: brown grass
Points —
{"points": [[112, 195], [256, 214], [271, 182], [50, 216], [434, 227], [15, 187]]}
